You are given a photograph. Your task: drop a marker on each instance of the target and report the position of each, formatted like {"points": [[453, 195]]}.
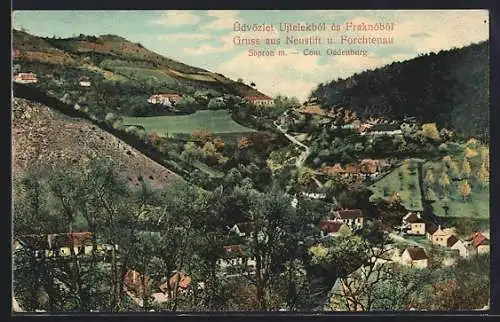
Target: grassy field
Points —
{"points": [[478, 205], [393, 183], [215, 121]]}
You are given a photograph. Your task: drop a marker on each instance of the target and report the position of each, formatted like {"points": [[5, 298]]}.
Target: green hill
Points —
{"points": [[108, 55], [450, 87]]}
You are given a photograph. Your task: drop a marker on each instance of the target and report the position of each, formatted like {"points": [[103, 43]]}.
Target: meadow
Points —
{"points": [[218, 121], [402, 181]]}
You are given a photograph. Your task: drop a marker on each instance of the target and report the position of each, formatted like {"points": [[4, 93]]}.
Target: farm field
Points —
{"points": [[402, 181], [215, 121]]}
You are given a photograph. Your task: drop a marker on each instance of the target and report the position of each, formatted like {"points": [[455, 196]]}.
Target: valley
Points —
{"points": [[144, 184]]}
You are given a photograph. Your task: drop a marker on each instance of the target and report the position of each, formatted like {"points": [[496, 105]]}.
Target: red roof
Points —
{"points": [[234, 250], [26, 76], [330, 226], [480, 239], [133, 280], [180, 278]]}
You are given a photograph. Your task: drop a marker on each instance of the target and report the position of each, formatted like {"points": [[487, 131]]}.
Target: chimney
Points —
{"points": [[439, 227]]}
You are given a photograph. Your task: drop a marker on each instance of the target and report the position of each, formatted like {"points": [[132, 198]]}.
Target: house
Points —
{"points": [[314, 195], [261, 100], [460, 247], [430, 229], [84, 81], [58, 245], [177, 283], [16, 53], [330, 228], [138, 285], [353, 218], [414, 257], [441, 236], [384, 129], [169, 99], [480, 243], [235, 258], [25, 78], [333, 171], [413, 224], [244, 229]]}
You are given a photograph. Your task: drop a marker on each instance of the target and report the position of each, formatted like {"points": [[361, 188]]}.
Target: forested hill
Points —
{"points": [[450, 88]]}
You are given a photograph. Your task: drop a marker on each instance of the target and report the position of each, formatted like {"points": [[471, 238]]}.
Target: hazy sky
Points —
{"points": [[206, 39]]}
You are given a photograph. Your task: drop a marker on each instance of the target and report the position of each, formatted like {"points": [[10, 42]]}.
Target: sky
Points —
{"points": [[207, 39]]}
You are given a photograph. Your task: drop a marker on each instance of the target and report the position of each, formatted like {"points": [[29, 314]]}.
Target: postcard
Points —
{"points": [[250, 161]]}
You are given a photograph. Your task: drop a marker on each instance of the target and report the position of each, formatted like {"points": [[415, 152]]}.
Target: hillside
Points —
{"points": [[116, 58], [43, 136], [450, 87]]}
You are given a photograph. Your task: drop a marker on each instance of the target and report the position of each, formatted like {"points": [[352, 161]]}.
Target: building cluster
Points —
{"points": [[365, 169]]}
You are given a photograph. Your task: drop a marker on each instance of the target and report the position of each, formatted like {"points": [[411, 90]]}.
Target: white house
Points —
{"points": [[261, 100], [245, 229], [413, 224], [164, 99], [331, 228], [414, 257], [234, 257], [84, 81], [25, 78], [464, 250], [353, 218]]}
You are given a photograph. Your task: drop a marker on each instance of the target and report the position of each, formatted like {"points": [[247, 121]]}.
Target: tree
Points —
{"points": [[466, 168], [216, 103], [444, 182], [359, 262], [430, 131], [186, 104], [454, 172], [430, 195], [191, 152], [240, 80], [154, 138], [429, 178], [465, 190], [483, 176]]}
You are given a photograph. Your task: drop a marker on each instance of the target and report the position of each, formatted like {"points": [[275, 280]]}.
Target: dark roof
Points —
{"points": [[413, 218], [431, 228], [384, 127], [41, 242], [416, 253], [348, 214], [451, 240], [330, 226], [246, 227]]}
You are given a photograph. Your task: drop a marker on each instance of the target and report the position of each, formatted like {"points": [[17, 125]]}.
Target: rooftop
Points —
{"points": [[416, 253]]}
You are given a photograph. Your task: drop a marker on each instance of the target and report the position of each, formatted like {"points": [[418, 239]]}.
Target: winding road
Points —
{"points": [[301, 159]]}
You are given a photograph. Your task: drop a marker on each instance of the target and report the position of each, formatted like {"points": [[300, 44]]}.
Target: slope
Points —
{"points": [[450, 87], [116, 55], [44, 137]]}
